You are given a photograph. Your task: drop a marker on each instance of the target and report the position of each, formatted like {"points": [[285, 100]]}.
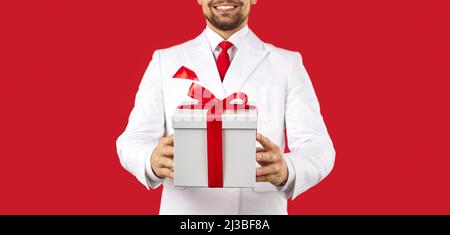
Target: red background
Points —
{"points": [[70, 71]]}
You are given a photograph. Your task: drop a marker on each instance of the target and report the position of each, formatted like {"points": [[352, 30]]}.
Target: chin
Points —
{"points": [[226, 21]]}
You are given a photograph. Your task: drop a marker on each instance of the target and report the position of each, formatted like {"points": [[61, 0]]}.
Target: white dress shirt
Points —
{"points": [[214, 39], [236, 39]]}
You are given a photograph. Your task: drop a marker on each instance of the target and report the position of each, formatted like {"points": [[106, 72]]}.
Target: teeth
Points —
{"points": [[225, 7]]}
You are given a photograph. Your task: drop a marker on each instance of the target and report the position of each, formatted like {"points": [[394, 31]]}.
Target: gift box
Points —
{"points": [[215, 144]]}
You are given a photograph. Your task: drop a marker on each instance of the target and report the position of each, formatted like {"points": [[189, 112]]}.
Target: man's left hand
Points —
{"points": [[274, 168]]}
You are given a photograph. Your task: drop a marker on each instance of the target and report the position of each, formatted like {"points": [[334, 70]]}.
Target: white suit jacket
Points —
{"points": [[275, 80]]}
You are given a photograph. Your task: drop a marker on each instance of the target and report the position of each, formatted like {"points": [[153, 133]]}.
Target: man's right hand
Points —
{"points": [[162, 158]]}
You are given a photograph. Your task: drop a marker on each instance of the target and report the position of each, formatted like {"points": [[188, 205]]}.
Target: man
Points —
{"points": [[229, 57]]}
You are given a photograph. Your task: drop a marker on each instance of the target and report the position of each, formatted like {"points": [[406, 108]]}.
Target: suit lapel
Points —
{"points": [[249, 55], [201, 61]]}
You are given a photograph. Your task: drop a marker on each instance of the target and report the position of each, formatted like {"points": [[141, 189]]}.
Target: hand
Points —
{"points": [[274, 168], [162, 158]]}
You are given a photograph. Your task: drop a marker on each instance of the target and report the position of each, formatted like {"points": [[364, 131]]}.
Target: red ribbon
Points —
{"points": [[215, 107]]}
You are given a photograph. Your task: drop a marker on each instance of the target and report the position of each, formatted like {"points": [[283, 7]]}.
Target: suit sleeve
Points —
{"points": [[145, 126], [312, 153]]}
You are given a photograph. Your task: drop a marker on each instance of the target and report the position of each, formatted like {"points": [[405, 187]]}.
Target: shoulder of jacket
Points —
{"points": [[284, 53]]}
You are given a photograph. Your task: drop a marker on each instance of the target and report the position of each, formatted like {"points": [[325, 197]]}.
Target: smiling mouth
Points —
{"points": [[225, 8]]}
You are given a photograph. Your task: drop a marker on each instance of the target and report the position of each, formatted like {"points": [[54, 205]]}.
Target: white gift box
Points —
{"points": [[238, 148]]}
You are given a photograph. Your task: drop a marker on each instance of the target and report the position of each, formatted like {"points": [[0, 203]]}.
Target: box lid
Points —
{"points": [[231, 119]]}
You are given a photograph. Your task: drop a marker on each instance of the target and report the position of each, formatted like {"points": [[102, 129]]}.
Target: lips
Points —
{"points": [[225, 7]]}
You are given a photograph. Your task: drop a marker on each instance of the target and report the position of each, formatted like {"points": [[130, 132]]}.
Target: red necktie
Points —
{"points": [[223, 61]]}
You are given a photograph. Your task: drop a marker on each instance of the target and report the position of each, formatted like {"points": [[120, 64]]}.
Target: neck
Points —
{"points": [[226, 34]]}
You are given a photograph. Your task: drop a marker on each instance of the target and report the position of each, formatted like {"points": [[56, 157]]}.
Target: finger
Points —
{"points": [[166, 162], [265, 178], [168, 140], [264, 141], [166, 172], [167, 151], [259, 149], [267, 170], [266, 157], [171, 174]]}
